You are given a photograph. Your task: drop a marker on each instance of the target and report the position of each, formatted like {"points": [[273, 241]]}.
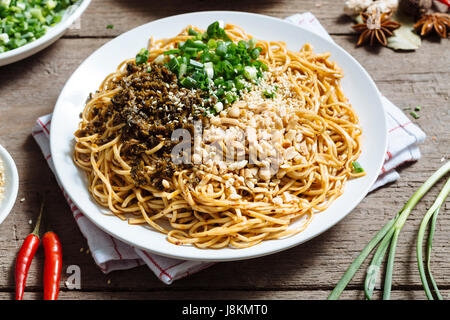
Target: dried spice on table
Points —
{"points": [[398, 25]]}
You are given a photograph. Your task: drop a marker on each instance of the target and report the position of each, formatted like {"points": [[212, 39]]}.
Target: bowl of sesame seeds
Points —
{"points": [[9, 183]]}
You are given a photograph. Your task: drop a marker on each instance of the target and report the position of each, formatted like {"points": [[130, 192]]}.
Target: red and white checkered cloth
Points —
{"points": [[111, 254]]}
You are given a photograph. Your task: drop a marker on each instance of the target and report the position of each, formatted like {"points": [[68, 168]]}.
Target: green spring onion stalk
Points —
{"points": [[389, 233], [23, 21], [432, 212]]}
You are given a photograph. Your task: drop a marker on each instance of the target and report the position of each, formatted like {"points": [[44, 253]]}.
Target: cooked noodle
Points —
{"points": [[214, 213]]}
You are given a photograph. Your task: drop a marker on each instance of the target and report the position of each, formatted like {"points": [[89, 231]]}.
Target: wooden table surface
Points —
{"points": [[29, 89]]}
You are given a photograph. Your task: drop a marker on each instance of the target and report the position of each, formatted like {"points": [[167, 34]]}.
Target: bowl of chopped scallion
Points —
{"points": [[28, 26]]}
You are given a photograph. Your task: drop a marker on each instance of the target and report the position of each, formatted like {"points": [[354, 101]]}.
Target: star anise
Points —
{"points": [[438, 21], [376, 25]]}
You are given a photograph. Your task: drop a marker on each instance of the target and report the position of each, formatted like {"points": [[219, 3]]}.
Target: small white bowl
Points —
{"points": [[52, 34], [11, 186]]}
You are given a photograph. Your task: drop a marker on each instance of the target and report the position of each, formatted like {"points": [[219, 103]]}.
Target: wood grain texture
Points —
{"points": [[29, 89], [215, 295]]}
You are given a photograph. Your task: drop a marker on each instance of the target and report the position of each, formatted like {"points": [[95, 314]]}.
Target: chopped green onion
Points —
{"points": [[432, 212], [209, 69], [357, 168], [195, 63], [212, 44], [173, 65], [159, 59], [255, 52], [51, 4], [182, 71], [270, 94], [218, 107], [215, 30], [37, 13], [4, 38], [221, 49], [142, 56], [110, 26], [418, 108], [250, 72], [172, 51], [252, 43]]}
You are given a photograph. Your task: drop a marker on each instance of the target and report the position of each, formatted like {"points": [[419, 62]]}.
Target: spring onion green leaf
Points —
{"points": [[214, 64], [110, 26]]}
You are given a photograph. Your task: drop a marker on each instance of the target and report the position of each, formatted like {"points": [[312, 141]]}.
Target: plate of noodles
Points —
{"points": [[218, 136]]}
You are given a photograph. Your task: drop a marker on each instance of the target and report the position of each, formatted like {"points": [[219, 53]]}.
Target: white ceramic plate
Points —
{"points": [[52, 34], [11, 186], [357, 85]]}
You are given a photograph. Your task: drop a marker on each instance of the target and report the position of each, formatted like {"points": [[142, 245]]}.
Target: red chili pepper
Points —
{"points": [[25, 256], [52, 265]]}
